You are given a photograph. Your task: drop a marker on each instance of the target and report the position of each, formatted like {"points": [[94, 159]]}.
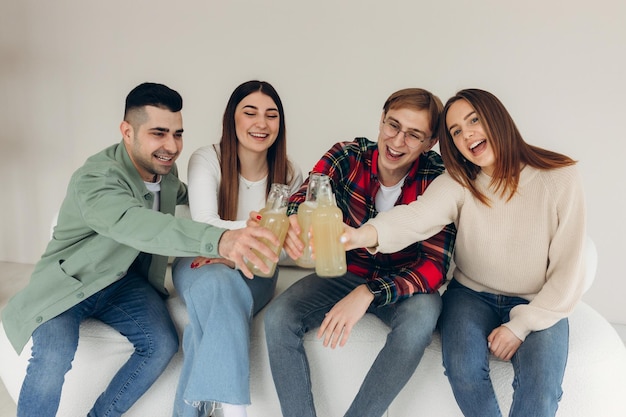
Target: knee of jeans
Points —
{"points": [[270, 318], [55, 361], [164, 347], [412, 337], [459, 369], [277, 318]]}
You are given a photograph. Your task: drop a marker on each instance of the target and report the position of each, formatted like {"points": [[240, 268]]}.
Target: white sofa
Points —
{"points": [[595, 378]]}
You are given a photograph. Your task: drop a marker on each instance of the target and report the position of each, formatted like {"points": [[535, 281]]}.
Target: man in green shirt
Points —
{"points": [[108, 255]]}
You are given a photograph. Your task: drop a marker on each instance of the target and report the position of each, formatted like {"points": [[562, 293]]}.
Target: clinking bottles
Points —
{"points": [[305, 215], [327, 221], [274, 217]]}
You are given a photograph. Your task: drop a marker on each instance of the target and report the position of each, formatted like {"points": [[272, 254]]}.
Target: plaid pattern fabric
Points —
{"points": [[419, 268]]}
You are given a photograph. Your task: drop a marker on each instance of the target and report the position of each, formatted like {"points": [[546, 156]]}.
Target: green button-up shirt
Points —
{"points": [[105, 221]]}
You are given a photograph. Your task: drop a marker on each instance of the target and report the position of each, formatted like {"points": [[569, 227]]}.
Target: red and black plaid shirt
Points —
{"points": [[419, 268]]}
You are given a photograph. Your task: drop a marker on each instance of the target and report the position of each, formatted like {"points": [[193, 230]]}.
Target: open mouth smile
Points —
{"points": [[478, 146], [164, 158], [258, 135], [393, 154]]}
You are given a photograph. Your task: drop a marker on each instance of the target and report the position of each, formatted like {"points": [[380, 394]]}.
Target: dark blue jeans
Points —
{"points": [[131, 306], [468, 317]]}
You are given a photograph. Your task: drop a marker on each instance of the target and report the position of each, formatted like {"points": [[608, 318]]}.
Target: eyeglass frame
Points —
{"points": [[397, 131]]}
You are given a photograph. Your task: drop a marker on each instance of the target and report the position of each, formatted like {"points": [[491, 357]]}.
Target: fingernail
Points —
{"points": [[194, 265], [208, 261], [258, 217]]}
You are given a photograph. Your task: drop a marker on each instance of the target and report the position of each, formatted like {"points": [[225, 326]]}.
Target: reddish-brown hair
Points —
{"points": [[510, 150]]}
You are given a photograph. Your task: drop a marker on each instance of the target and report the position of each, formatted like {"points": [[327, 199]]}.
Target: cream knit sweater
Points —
{"points": [[530, 246]]}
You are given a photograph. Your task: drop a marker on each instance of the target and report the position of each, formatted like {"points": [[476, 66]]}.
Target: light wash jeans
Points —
{"points": [[131, 306], [468, 317], [220, 303], [302, 308]]}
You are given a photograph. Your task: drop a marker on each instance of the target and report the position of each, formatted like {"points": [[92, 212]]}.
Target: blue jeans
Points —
{"points": [[132, 307], [468, 317], [220, 303], [302, 308]]}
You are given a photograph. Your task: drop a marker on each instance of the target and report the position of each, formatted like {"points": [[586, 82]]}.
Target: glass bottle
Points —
{"points": [[305, 216], [274, 218], [330, 254]]}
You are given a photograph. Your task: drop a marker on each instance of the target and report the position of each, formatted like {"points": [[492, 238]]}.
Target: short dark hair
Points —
{"points": [[153, 94]]}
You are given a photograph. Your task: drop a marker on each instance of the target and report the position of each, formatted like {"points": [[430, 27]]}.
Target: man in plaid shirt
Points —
{"points": [[399, 288]]}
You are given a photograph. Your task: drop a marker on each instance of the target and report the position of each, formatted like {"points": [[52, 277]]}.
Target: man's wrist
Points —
{"points": [[376, 289]]}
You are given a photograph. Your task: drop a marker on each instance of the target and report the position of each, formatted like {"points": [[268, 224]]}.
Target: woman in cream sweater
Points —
{"points": [[520, 217]]}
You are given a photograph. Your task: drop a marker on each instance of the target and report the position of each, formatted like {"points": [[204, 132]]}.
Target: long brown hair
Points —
{"points": [[511, 152], [279, 167]]}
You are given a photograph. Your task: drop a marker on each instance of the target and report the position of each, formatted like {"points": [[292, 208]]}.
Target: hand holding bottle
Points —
{"points": [[365, 236], [273, 218]]}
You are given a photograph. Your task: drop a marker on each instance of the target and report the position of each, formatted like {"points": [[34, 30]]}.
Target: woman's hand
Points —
{"points": [[503, 343], [365, 236], [200, 261], [254, 219]]}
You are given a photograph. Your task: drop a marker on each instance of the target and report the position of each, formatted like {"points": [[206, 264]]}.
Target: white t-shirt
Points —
{"points": [[155, 188], [386, 197]]}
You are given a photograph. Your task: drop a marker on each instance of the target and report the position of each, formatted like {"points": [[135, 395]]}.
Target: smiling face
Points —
{"points": [[154, 139], [395, 158], [257, 122], [466, 129]]}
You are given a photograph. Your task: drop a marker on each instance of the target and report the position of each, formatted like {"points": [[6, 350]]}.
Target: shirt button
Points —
{"points": [[148, 196], [209, 247], [39, 319], [80, 295]]}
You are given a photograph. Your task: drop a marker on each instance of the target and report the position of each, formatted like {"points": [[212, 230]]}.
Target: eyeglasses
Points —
{"points": [[412, 137]]}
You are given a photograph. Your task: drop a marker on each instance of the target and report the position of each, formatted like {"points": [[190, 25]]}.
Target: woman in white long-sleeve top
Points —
{"points": [[226, 183], [520, 217]]}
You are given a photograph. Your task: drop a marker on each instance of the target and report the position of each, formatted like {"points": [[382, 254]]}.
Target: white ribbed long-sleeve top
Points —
{"points": [[204, 176]]}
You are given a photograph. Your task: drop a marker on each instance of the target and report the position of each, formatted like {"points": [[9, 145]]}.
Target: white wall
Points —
{"points": [[67, 65]]}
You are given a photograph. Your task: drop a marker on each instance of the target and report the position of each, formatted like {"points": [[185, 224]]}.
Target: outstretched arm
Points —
{"points": [[236, 245], [365, 236]]}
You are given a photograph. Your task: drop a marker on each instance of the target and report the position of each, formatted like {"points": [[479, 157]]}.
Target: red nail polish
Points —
{"points": [[258, 217], [194, 265]]}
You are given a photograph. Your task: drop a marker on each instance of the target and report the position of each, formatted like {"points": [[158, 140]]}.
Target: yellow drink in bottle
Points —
{"points": [[305, 216], [274, 218], [278, 223], [330, 254]]}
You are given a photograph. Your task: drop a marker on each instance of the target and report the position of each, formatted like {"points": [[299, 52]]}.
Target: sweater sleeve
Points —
{"points": [[424, 275], [417, 221], [565, 270]]}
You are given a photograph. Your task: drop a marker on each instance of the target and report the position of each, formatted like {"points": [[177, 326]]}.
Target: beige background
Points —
{"points": [[66, 66]]}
